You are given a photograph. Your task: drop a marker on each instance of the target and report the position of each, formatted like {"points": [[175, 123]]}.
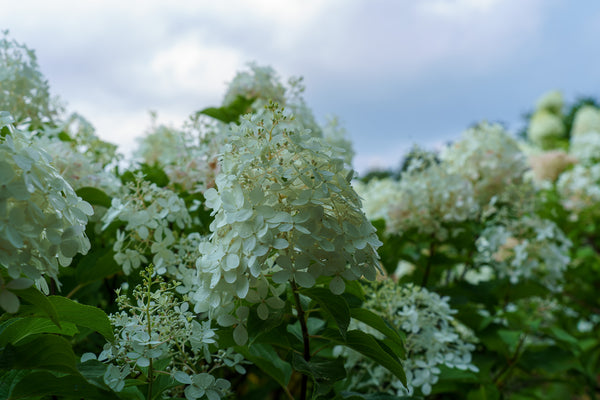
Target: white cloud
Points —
{"points": [[190, 67]]}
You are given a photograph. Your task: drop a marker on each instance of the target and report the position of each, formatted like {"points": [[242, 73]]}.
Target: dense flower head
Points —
{"points": [[80, 169], [429, 199], [528, 248], [551, 101], [188, 155], [586, 148], [264, 85], [42, 220], [148, 211], [282, 206], [433, 338], [83, 138], [579, 188], [549, 165], [545, 128], [378, 195], [587, 119], [488, 157], [24, 92], [259, 82]]}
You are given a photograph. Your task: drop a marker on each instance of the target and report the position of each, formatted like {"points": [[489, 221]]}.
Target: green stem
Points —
{"points": [[150, 367], [305, 339], [75, 289], [503, 374]]}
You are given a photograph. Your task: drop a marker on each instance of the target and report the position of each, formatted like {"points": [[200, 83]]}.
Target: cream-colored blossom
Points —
{"points": [[42, 220], [489, 158], [529, 248], [587, 119], [586, 148], [545, 128], [549, 165], [551, 101], [433, 339], [429, 200], [282, 206], [378, 195]]}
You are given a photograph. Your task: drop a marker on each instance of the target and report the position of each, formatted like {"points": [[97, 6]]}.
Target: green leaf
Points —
{"points": [[48, 352], [95, 266], [41, 383], [21, 328], [83, 315], [38, 299], [369, 346], [64, 137], [320, 369], [94, 196], [265, 358], [383, 326], [230, 113], [563, 336], [334, 305], [152, 173], [257, 327], [8, 381]]}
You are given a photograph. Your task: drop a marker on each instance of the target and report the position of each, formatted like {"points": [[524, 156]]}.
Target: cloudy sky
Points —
{"points": [[396, 72]]}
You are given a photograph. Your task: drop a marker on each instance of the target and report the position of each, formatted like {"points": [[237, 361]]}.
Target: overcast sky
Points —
{"points": [[396, 72]]}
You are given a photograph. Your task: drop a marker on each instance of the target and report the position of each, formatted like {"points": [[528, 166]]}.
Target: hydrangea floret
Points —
{"points": [[148, 212], [529, 248], [188, 155], [156, 326], [433, 338], [283, 207], [579, 189], [42, 220], [430, 199], [489, 158]]}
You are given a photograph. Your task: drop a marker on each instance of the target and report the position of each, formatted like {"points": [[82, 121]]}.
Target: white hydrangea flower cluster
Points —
{"points": [[188, 156], [148, 211], [79, 169], [546, 124], [378, 195], [586, 148], [579, 188], [84, 140], [183, 269], [281, 197], [551, 101], [433, 338], [260, 83], [24, 91], [264, 85], [159, 326], [42, 220], [544, 128], [587, 119], [429, 199], [488, 157], [524, 249]]}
